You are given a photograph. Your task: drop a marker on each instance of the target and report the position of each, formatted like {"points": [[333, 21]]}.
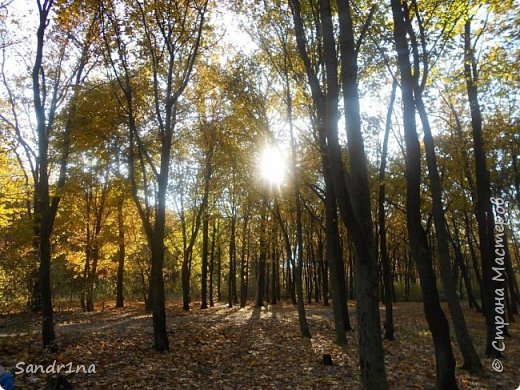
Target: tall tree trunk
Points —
{"points": [[483, 210], [99, 210], [274, 265], [387, 272], [435, 317], [120, 254], [44, 125], [243, 270], [204, 265], [212, 264], [471, 359], [185, 281], [355, 211], [459, 259], [324, 273], [232, 259], [219, 267], [203, 209], [474, 259], [260, 289], [35, 300], [298, 266], [334, 254], [48, 334], [161, 342], [92, 276], [511, 280], [367, 306], [88, 253]]}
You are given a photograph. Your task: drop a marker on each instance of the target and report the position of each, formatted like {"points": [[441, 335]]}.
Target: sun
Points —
{"points": [[272, 165]]}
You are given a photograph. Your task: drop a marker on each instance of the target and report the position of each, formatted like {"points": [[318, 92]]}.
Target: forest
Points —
{"points": [[256, 194]]}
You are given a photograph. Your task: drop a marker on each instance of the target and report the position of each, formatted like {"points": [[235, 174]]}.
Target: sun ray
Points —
{"points": [[272, 165]]}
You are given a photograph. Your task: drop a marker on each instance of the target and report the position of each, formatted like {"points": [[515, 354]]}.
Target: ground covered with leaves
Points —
{"points": [[234, 348]]}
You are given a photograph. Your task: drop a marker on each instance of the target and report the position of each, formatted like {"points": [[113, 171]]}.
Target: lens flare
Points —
{"points": [[272, 165]]}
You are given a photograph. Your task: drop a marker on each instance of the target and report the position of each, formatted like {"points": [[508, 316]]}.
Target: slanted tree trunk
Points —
{"points": [[471, 359], [421, 253], [483, 209], [511, 280], [474, 259], [459, 259]]}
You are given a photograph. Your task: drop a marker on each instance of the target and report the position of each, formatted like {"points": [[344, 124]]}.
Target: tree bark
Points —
{"points": [[44, 125], [260, 289], [232, 258], [243, 269], [435, 317], [121, 253], [204, 265], [212, 264], [387, 272], [483, 209], [459, 259]]}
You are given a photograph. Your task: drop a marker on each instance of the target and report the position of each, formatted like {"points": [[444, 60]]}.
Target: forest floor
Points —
{"points": [[233, 348]]}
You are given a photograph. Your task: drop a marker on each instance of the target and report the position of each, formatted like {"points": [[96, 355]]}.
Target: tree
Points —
{"points": [[387, 272], [471, 359], [171, 34], [483, 209], [421, 253], [354, 199], [45, 111]]}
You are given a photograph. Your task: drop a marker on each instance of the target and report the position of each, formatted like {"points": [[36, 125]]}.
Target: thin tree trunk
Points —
{"points": [[120, 254], [483, 210], [334, 255], [219, 266], [435, 317], [387, 272], [232, 258], [459, 258], [471, 359], [243, 271], [260, 289], [298, 266], [212, 264], [204, 265]]}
